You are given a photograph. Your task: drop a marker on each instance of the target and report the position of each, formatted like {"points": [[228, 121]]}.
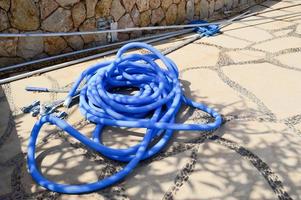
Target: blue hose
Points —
{"points": [[210, 30], [154, 107]]}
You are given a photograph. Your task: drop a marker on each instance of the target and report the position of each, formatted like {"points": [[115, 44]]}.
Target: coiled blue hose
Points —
{"points": [[153, 107]]}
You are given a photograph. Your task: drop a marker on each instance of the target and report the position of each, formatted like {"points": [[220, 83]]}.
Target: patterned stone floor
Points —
{"points": [[251, 74]]}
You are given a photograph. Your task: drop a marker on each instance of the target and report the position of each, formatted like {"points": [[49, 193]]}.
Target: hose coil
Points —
{"points": [[153, 107]]}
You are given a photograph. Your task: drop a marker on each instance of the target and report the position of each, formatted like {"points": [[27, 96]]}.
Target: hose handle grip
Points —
{"points": [[36, 89]]}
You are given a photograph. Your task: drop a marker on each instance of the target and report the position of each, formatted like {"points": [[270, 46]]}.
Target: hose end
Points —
{"points": [[67, 102]]}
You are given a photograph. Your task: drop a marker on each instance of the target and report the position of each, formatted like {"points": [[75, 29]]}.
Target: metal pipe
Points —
{"points": [[73, 62], [128, 29], [198, 36], [43, 89], [12, 67], [62, 65], [149, 28]]}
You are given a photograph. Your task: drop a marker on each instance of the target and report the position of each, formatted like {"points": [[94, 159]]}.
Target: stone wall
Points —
{"points": [[82, 15]]}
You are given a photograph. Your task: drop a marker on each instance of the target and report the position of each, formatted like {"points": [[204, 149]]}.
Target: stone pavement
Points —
{"points": [[251, 74]]}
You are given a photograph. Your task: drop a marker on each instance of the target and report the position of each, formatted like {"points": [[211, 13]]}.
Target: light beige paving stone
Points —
{"points": [[195, 55], [204, 85], [290, 7], [287, 11], [279, 44], [122, 138], [294, 18], [279, 4], [282, 32], [93, 196], [281, 17], [298, 29], [274, 25], [221, 173], [291, 59], [22, 98], [245, 55], [74, 115], [254, 21], [151, 181], [271, 84], [24, 128], [252, 34], [268, 24], [63, 164], [275, 144], [226, 41], [188, 115], [273, 14], [22, 131], [26, 123], [235, 26], [66, 76], [67, 165], [255, 134]]}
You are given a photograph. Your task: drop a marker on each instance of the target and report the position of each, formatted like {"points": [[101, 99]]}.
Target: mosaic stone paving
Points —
{"points": [[250, 74]]}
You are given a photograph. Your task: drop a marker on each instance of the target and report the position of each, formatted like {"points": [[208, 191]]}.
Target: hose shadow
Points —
{"points": [[216, 166], [171, 172]]}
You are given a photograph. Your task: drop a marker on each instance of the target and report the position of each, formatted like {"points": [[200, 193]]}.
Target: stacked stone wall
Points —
{"points": [[18, 16]]}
